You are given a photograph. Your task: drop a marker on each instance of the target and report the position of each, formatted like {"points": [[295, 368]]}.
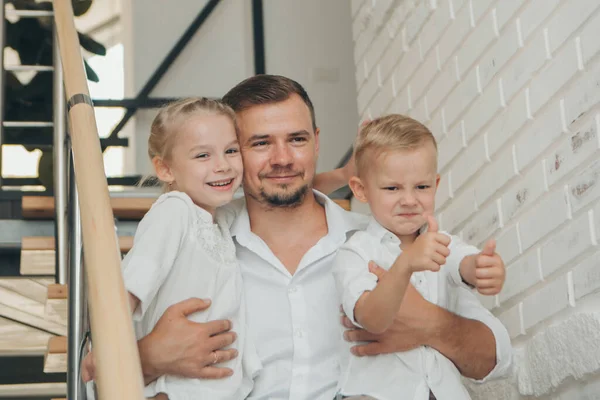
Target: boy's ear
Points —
{"points": [[163, 172], [437, 181], [358, 189]]}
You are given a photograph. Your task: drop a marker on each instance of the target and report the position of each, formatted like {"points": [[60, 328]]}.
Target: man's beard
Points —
{"points": [[285, 200]]}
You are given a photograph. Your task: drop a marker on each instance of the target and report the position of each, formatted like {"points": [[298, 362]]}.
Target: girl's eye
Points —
{"points": [[233, 150], [201, 155]]}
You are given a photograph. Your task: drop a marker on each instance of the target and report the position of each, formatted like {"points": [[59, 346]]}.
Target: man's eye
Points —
{"points": [[261, 143]]}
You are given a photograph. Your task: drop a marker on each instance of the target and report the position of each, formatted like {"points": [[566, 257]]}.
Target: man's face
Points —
{"points": [[279, 151]]}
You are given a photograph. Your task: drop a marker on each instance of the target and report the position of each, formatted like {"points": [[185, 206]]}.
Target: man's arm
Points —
{"points": [[178, 346], [468, 343], [480, 350]]}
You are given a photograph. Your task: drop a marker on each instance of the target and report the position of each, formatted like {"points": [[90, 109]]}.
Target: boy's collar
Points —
{"points": [[381, 233]]}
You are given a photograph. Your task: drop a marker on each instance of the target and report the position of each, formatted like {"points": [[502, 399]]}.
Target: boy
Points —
{"points": [[396, 159]]}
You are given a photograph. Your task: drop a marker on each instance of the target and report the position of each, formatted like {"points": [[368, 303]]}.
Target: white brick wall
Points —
{"points": [[511, 91]]}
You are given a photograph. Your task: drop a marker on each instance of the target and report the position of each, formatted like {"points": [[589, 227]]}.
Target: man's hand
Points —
{"points": [[489, 270], [178, 346], [469, 344], [88, 367], [430, 249], [410, 329]]}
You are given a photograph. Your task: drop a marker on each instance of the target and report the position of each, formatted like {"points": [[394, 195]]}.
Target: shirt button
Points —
{"points": [[292, 289], [299, 333]]}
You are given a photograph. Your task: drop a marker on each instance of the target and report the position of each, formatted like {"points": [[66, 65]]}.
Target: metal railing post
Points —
{"points": [[60, 169], [78, 321]]}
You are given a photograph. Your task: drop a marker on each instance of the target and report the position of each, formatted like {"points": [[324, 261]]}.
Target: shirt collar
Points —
{"points": [[382, 234], [339, 221]]}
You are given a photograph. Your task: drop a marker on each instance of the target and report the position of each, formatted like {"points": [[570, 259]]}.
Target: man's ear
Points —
{"points": [[163, 172], [358, 189], [317, 131]]}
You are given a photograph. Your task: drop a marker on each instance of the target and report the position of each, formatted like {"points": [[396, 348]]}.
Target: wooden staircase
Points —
{"points": [[33, 308]]}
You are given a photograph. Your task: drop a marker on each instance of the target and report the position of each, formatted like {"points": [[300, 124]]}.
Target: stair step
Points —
{"points": [[33, 390], [21, 340], [18, 337], [55, 360], [57, 303], [23, 301], [123, 207], [38, 255]]}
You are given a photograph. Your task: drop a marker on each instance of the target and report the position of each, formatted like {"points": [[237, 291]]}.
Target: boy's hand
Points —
{"points": [[430, 249], [489, 270]]}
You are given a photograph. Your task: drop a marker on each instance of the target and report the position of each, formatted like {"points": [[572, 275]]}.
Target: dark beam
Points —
{"points": [[167, 61], [258, 29]]}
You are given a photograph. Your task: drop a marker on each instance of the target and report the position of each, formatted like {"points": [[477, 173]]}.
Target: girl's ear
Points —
{"points": [[358, 188], [163, 172]]}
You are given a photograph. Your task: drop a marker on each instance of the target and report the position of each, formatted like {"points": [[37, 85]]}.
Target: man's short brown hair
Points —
{"points": [[266, 89], [389, 133]]}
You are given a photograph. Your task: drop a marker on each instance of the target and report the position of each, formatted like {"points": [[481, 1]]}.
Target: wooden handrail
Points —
{"points": [[118, 372]]}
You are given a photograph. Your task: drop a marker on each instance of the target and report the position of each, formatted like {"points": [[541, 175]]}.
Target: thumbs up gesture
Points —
{"points": [[430, 249], [489, 270]]}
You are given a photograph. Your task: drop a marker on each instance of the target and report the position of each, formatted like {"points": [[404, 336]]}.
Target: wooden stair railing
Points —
{"points": [[119, 375]]}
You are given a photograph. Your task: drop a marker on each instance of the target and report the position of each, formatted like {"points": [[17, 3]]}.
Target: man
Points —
{"points": [[286, 236]]}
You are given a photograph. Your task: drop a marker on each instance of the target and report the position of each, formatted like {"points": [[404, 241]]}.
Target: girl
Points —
{"points": [[181, 251]]}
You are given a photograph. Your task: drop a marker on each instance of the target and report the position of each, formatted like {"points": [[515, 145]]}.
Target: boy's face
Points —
{"points": [[400, 188]]}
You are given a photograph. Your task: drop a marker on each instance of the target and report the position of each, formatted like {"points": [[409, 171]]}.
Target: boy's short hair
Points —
{"points": [[389, 133]]}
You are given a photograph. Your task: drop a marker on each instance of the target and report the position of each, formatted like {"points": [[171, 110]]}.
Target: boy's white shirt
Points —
{"points": [[295, 320], [411, 374]]}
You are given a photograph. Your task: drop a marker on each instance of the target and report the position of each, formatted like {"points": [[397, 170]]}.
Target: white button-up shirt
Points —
{"points": [[294, 319], [411, 374]]}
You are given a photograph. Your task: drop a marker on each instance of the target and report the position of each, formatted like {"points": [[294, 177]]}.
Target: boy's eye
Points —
{"points": [[390, 188], [423, 187]]}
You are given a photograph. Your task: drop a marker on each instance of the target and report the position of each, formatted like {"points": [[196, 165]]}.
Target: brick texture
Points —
{"points": [[511, 91]]}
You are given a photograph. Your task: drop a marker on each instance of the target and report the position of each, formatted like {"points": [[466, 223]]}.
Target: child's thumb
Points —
{"points": [[490, 248], [432, 225]]}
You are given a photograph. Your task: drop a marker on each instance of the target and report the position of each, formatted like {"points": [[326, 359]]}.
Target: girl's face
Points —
{"points": [[205, 161]]}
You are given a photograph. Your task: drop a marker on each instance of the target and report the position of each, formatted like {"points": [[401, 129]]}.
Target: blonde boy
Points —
{"points": [[396, 160]]}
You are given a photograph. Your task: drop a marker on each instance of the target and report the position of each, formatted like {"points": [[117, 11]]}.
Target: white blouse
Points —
{"points": [[179, 253]]}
